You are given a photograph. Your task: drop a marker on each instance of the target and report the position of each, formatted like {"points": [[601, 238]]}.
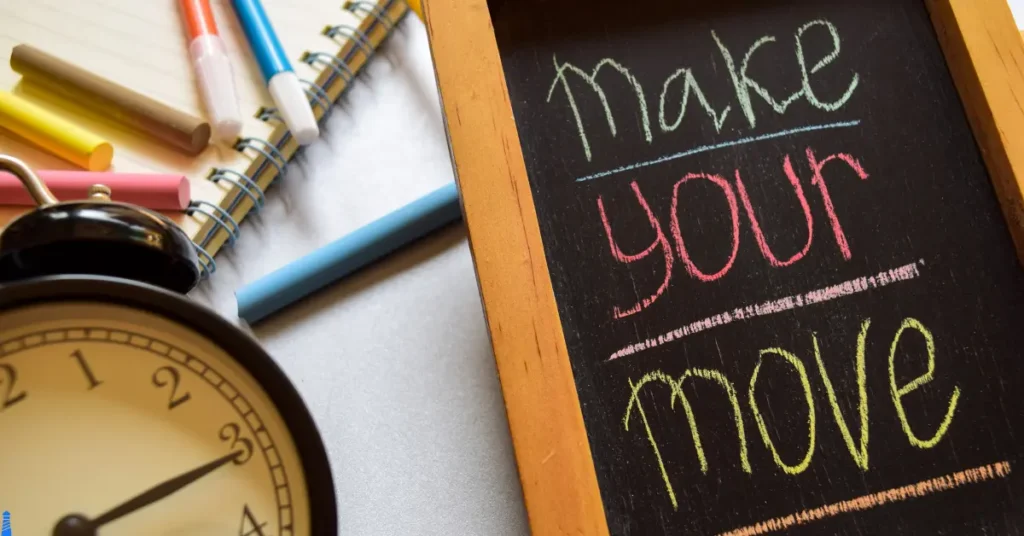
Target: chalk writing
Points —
{"points": [[899, 392], [591, 80], [801, 274], [705, 275], [808, 92], [819, 181], [717, 146], [762, 243], [805, 382], [865, 502], [742, 83], [734, 214], [860, 455], [678, 393], [659, 240], [647, 428], [787, 303], [689, 84]]}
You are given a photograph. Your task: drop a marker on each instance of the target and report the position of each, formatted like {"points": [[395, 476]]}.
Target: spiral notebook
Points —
{"points": [[142, 44]]}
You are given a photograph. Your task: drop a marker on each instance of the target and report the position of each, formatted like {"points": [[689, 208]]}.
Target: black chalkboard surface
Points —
{"points": [[789, 296]]}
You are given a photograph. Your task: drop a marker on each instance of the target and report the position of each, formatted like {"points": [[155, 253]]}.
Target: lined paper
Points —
{"points": [[143, 45]]}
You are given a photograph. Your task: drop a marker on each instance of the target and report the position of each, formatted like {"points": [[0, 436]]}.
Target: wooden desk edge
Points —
{"points": [[981, 45]]}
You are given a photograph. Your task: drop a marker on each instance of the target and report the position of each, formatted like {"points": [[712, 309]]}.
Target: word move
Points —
{"points": [[856, 439]]}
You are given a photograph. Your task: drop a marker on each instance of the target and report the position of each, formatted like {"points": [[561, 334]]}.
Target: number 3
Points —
{"points": [[231, 432]]}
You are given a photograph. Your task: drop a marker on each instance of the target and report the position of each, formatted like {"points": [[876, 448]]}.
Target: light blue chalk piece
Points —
{"points": [[340, 258]]}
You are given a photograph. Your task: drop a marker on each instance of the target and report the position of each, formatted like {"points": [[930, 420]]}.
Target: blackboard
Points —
{"points": [[819, 224]]}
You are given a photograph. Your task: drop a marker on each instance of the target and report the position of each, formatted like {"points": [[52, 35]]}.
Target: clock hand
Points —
{"points": [[79, 525]]}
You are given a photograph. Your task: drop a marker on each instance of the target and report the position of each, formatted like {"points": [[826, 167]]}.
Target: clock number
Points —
{"points": [[250, 527], [231, 432], [93, 382], [160, 380], [7, 377]]}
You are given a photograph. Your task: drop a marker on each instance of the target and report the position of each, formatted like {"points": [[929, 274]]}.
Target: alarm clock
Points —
{"points": [[125, 407]]}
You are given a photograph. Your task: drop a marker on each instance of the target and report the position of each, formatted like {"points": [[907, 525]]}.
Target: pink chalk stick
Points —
{"points": [[152, 191]]}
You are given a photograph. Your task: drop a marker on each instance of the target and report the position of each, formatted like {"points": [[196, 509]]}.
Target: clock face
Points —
{"points": [[101, 404]]}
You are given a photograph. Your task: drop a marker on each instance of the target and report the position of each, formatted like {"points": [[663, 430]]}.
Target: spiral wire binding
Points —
{"points": [[339, 67], [319, 95], [219, 215], [316, 93], [268, 150], [207, 266], [355, 34], [243, 183], [373, 10], [271, 153]]}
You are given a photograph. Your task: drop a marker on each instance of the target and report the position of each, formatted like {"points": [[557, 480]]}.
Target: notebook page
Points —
{"points": [[355, 40], [143, 45]]}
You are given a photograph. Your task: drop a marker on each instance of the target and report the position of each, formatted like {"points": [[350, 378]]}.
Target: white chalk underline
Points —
{"points": [[714, 147], [780, 305]]}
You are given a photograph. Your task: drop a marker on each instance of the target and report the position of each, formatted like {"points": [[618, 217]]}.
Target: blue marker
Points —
{"points": [[348, 254], [284, 86]]}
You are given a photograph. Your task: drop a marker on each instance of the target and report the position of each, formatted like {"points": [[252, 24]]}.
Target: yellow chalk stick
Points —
{"points": [[54, 134], [417, 7]]}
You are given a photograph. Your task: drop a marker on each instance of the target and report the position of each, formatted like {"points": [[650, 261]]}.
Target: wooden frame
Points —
{"points": [[985, 54]]}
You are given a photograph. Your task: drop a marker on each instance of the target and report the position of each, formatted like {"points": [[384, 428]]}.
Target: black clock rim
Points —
{"points": [[246, 351]]}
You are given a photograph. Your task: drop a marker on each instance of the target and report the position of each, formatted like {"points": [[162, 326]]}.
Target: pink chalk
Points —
{"points": [[819, 180], [762, 243], [659, 240], [677, 233], [152, 191]]}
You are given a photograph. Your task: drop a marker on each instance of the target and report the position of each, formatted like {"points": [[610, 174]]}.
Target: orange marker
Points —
{"points": [[213, 69]]}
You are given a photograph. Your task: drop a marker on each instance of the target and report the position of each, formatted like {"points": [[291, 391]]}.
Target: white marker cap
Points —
{"points": [[293, 106], [216, 83]]}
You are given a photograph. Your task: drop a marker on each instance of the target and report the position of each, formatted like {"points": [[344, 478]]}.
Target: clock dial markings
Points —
{"points": [[8, 377], [231, 432], [93, 382], [171, 376], [250, 527], [79, 525], [175, 380]]}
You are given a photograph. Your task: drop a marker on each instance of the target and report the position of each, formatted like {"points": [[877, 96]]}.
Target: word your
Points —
{"points": [[857, 446], [788, 303], [741, 81], [661, 241], [865, 502]]}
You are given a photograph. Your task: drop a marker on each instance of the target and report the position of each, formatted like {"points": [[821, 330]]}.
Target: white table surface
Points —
{"points": [[395, 362]]}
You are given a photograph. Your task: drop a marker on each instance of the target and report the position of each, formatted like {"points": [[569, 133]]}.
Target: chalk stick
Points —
{"points": [[340, 258], [54, 134], [139, 112], [153, 191]]}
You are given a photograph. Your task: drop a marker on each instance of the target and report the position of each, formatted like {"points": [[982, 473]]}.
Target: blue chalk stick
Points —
{"points": [[340, 258]]}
